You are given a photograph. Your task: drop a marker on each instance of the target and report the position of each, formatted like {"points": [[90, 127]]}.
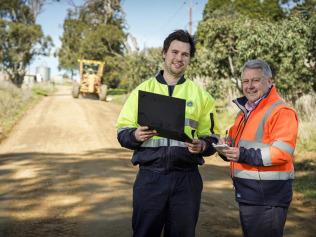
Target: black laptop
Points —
{"points": [[165, 114]]}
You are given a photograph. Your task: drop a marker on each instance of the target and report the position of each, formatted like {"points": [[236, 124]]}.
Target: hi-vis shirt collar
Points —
{"points": [[242, 101], [161, 79]]}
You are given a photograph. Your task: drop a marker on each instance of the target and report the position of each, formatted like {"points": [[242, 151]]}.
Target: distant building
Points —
{"points": [[42, 73]]}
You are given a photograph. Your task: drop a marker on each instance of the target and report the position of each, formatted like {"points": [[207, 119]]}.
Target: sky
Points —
{"points": [[149, 21]]}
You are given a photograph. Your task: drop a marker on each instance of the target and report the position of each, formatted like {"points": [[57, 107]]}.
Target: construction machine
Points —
{"points": [[91, 79]]}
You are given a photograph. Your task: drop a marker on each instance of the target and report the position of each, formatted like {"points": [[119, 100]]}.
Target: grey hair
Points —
{"points": [[257, 64]]}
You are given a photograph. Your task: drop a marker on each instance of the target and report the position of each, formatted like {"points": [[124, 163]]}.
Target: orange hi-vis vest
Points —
{"points": [[272, 128]]}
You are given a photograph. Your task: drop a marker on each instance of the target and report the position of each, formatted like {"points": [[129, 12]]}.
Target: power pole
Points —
{"points": [[190, 18]]}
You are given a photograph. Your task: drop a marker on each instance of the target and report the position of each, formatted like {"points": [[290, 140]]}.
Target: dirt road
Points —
{"points": [[62, 173]]}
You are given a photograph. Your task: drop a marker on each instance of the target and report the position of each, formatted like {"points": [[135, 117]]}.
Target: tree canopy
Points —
{"points": [[21, 38], [95, 32], [140, 65], [256, 9], [226, 42]]}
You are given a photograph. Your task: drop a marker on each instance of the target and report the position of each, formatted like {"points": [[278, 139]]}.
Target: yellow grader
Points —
{"points": [[91, 79]]}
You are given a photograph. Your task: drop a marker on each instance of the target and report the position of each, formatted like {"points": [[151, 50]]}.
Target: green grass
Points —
{"points": [[306, 185], [305, 177], [119, 99], [306, 140], [116, 91]]}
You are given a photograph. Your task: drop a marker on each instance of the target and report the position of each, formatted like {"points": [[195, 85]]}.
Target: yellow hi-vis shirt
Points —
{"points": [[200, 114]]}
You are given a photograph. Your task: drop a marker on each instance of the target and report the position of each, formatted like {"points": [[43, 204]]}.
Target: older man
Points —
{"points": [[262, 142]]}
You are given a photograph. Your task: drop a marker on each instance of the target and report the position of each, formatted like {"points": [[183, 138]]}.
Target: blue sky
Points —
{"points": [[149, 21]]}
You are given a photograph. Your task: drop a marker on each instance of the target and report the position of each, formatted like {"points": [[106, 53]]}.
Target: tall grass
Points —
{"points": [[306, 109], [15, 101]]}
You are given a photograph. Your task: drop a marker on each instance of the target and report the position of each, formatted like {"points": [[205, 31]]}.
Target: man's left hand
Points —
{"points": [[197, 146]]}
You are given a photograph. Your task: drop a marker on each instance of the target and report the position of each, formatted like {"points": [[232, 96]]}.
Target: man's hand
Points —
{"points": [[197, 146], [221, 141], [143, 133], [231, 153]]}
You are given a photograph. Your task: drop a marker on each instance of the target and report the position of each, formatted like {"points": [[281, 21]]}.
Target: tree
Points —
{"points": [[69, 53], [255, 9], [312, 47], [37, 5], [95, 31], [21, 38], [225, 44], [141, 65]]}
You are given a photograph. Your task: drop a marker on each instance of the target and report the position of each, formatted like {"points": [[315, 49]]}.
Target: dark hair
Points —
{"points": [[182, 36]]}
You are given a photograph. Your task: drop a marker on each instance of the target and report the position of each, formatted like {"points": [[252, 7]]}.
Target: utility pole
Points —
{"points": [[190, 18]]}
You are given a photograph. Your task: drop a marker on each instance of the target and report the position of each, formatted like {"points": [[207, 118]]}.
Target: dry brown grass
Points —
{"points": [[12, 101], [15, 101], [306, 109]]}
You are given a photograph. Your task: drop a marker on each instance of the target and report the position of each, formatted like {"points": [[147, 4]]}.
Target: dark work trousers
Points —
{"points": [[169, 200], [262, 221]]}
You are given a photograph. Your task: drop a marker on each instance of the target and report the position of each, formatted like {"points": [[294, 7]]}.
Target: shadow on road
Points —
{"points": [[55, 194], [90, 194]]}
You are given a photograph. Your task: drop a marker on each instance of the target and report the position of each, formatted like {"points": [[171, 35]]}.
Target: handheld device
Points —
{"points": [[220, 146]]}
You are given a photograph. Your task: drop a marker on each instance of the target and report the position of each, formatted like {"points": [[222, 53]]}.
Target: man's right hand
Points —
{"points": [[143, 133], [220, 150]]}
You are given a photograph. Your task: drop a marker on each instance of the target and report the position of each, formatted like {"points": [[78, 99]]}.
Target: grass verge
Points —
{"points": [[14, 102]]}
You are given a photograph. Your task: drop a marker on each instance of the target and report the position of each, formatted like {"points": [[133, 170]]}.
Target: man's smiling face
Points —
{"points": [[177, 58], [255, 84]]}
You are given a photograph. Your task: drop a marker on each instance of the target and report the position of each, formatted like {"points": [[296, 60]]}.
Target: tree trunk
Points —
{"points": [[233, 78], [17, 79]]}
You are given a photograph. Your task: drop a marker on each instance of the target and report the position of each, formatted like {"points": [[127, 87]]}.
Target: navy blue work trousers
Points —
{"points": [[262, 221], [166, 200]]}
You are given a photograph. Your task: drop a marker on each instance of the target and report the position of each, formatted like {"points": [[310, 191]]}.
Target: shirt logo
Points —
{"points": [[189, 103]]}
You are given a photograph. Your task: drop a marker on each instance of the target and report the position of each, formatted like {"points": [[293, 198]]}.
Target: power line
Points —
{"points": [[173, 16]]}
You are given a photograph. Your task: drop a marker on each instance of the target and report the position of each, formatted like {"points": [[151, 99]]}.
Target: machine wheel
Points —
{"points": [[103, 92], [75, 90]]}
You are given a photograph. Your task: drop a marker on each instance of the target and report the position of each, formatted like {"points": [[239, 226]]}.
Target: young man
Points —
{"points": [[261, 154], [167, 190]]}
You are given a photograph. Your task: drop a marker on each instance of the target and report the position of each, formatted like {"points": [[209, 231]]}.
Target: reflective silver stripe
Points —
{"points": [[264, 149], [190, 122], [162, 142], [177, 143], [122, 129], [265, 155], [259, 134], [250, 144], [155, 142], [283, 146], [266, 175]]}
